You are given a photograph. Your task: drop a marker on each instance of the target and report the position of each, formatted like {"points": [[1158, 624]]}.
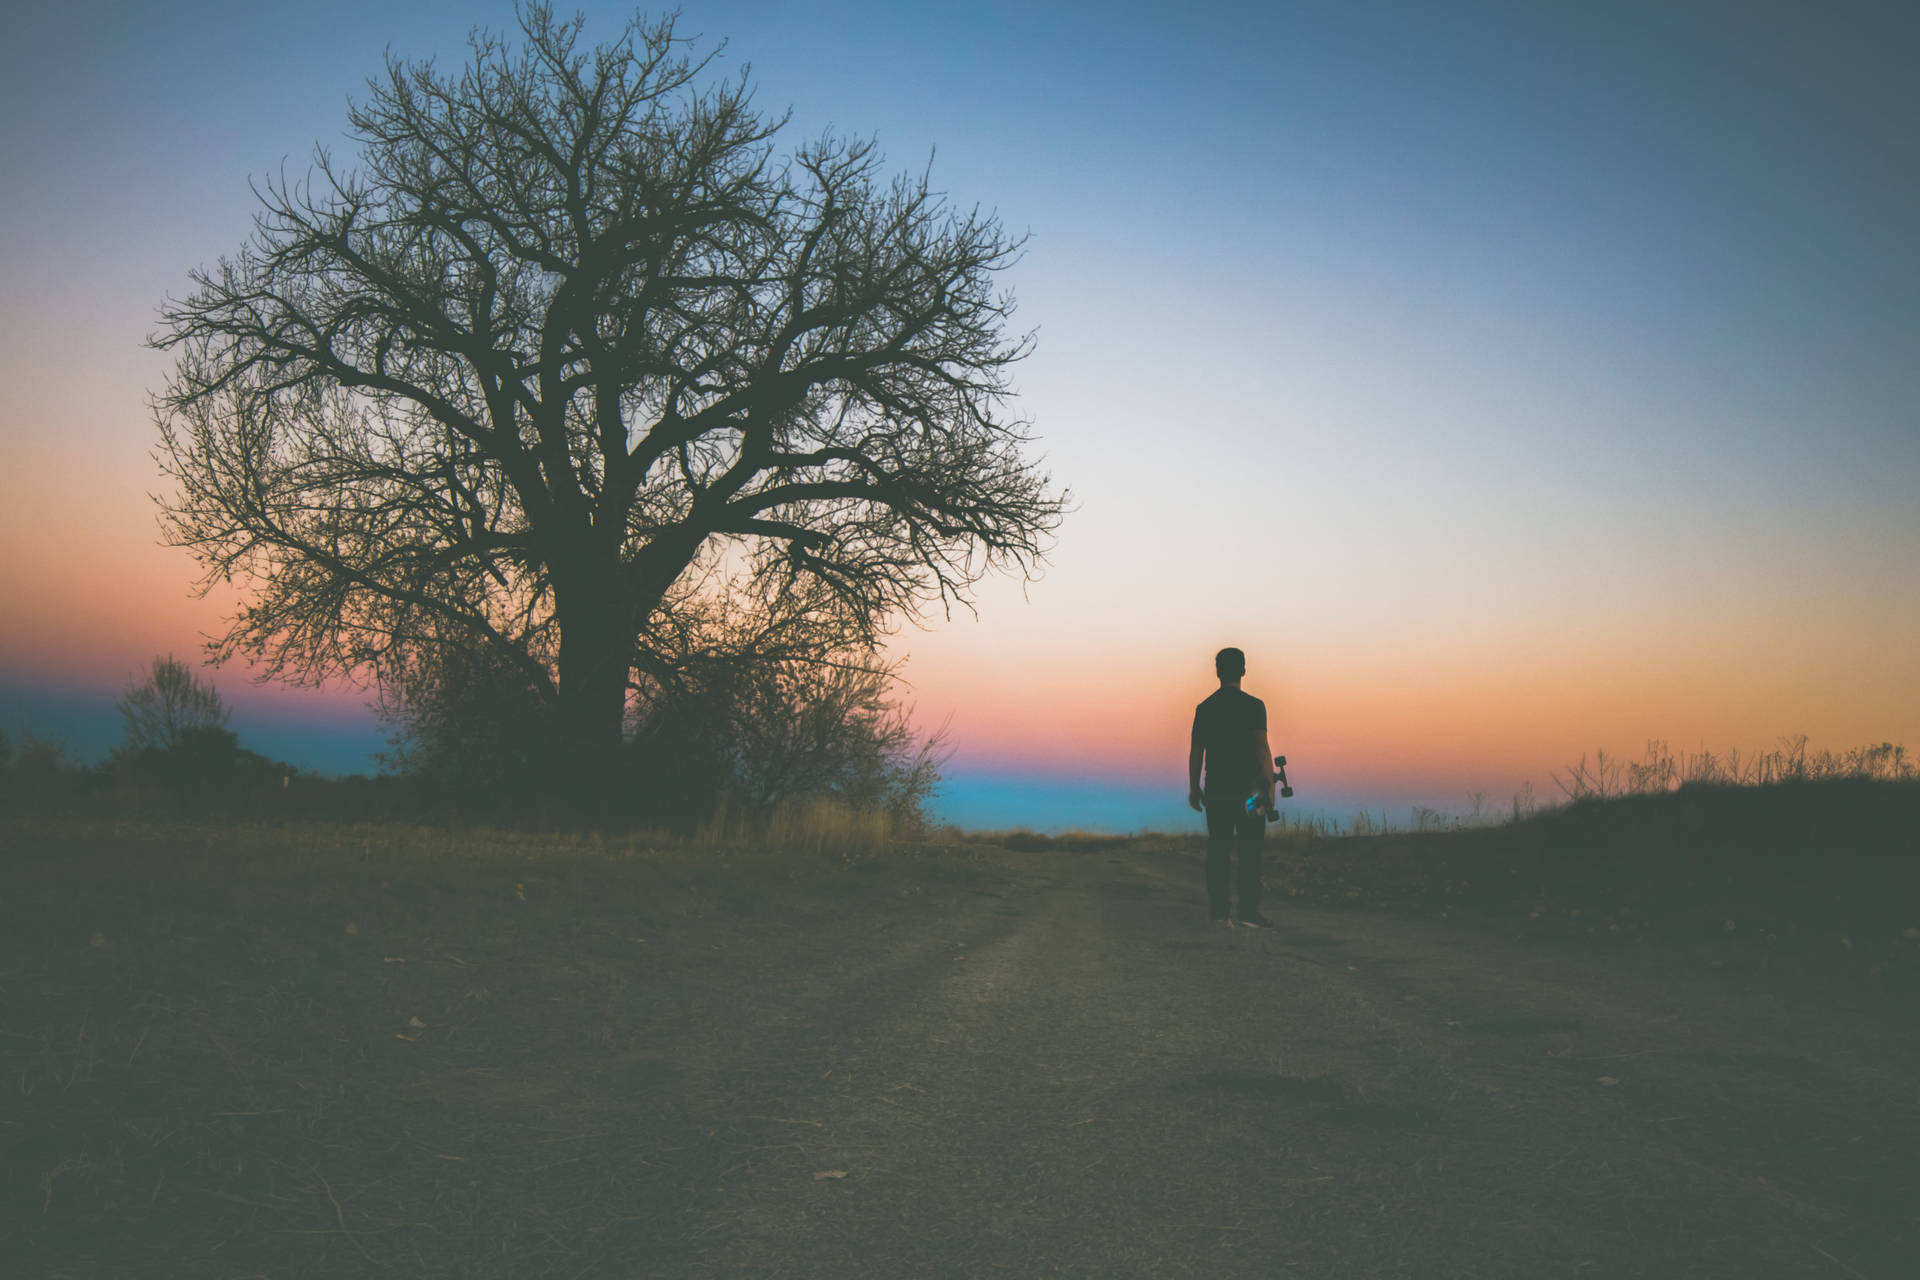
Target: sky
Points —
{"points": [[1509, 381]]}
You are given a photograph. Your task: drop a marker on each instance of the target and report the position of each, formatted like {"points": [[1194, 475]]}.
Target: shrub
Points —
{"points": [[782, 739]]}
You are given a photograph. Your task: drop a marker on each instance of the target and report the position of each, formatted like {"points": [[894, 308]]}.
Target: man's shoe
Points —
{"points": [[1256, 921], [1220, 918]]}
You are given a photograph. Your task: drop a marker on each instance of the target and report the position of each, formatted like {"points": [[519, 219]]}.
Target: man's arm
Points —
{"points": [[1195, 797], [1263, 767]]}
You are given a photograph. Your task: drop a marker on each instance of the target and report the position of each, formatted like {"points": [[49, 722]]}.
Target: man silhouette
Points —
{"points": [[1230, 736]]}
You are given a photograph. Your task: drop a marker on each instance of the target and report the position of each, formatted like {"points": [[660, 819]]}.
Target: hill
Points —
{"points": [[1814, 867]]}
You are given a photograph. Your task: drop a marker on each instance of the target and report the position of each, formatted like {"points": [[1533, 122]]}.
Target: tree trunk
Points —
{"points": [[595, 645]]}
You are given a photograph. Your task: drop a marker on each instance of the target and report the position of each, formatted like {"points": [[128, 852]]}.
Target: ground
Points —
{"points": [[971, 1063]]}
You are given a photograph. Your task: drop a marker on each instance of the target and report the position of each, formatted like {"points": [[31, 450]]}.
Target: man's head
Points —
{"points": [[1230, 664]]}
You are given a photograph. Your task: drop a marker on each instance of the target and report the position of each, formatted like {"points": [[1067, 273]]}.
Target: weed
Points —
{"points": [[1660, 769]]}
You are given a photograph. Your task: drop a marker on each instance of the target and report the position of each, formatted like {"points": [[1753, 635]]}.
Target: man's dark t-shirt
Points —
{"points": [[1225, 725]]}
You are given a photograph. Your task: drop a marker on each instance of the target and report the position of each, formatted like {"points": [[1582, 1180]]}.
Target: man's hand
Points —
{"points": [[1195, 799]]}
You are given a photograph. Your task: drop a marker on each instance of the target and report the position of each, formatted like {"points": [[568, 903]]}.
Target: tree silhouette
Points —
{"points": [[574, 371], [165, 711]]}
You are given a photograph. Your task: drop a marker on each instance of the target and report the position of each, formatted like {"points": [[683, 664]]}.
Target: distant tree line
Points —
{"points": [[471, 743], [176, 756]]}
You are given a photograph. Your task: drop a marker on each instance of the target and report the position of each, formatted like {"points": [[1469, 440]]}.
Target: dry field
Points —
{"points": [[336, 1051]]}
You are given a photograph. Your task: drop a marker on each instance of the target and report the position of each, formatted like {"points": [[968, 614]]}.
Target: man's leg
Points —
{"points": [[1251, 833], [1220, 827]]}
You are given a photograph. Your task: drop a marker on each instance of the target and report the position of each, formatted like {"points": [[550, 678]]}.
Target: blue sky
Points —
{"points": [[1508, 379]]}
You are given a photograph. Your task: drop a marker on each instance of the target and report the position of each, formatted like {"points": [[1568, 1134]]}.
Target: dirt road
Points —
{"points": [[1072, 1073]]}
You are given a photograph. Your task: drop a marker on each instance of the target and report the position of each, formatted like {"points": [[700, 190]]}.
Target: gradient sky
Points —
{"points": [[1508, 380]]}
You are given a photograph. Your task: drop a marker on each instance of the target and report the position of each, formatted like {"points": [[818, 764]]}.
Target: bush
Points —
{"points": [[205, 769], [773, 742], [471, 732], [40, 777], [724, 743]]}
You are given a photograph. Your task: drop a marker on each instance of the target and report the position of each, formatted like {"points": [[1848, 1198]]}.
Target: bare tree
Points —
{"points": [[169, 705], [573, 367]]}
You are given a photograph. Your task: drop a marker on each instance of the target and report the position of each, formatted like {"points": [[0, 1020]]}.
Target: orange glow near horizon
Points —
{"points": [[1467, 721], [1439, 708]]}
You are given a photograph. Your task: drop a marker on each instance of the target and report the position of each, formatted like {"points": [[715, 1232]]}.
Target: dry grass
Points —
{"points": [[812, 825], [1823, 872], [1660, 769], [1025, 840]]}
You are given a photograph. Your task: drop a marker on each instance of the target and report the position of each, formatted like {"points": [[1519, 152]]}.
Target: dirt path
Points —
{"points": [[1072, 1073]]}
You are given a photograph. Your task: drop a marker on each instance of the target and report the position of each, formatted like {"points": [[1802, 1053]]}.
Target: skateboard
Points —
{"points": [[1286, 792]]}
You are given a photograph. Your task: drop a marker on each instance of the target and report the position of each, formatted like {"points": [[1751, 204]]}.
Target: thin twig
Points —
{"points": [[1836, 1262], [221, 1046], [783, 1120], [341, 1215], [137, 1043]]}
